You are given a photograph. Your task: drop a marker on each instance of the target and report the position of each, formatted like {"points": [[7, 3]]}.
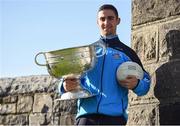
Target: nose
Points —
{"points": [[106, 21]]}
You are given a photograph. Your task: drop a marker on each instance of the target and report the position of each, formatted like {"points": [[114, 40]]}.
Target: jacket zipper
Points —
{"points": [[104, 57]]}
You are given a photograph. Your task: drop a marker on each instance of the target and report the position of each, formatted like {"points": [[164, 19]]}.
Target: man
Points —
{"points": [[110, 104]]}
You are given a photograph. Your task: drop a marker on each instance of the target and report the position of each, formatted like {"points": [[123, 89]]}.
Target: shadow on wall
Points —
{"points": [[167, 88]]}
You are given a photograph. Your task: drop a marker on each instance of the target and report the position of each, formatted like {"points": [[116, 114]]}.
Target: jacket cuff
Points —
{"points": [[60, 86], [137, 88], [136, 85]]}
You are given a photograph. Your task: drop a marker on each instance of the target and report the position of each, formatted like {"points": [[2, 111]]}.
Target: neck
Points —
{"points": [[108, 36]]}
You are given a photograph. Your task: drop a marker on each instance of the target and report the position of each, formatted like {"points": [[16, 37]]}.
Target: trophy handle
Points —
{"points": [[40, 53], [100, 45]]}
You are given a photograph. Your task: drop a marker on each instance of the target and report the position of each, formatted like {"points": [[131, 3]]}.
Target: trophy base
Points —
{"points": [[75, 95]]}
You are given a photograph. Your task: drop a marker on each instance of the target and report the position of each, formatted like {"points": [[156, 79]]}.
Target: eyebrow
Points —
{"points": [[108, 17]]}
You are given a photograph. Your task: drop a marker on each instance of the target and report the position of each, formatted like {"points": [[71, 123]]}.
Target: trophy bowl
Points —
{"points": [[76, 61]]}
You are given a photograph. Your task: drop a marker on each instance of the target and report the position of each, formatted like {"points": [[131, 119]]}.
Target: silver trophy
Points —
{"points": [[72, 61]]}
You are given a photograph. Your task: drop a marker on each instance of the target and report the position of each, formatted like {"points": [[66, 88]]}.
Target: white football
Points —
{"points": [[129, 68]]}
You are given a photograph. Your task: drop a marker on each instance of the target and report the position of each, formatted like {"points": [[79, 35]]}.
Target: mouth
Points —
{"points": [[106, 29]]}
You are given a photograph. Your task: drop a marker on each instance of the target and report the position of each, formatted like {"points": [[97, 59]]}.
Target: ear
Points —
{"points": [[119, 20]]}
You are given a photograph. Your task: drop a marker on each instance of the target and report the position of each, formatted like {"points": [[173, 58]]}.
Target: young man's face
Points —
{"points": [[107, 22]]}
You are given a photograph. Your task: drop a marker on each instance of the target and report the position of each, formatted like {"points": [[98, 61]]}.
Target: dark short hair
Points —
{"points": [[109, 6]]}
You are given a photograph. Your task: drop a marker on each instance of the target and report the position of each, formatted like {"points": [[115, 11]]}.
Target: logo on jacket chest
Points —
{"points": [[116, 56]]}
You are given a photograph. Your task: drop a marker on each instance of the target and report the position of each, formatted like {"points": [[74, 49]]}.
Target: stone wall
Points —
{"points": [[32, 100], [156, 39]]}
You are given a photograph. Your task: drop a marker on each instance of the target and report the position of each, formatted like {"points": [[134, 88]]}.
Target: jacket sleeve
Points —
{"points": [[86, 84], [143, 86]]}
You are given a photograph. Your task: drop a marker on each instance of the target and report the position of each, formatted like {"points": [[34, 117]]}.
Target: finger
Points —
{"points": [[70, 76], [130, 82], [70, 85], [72, 81], [130, 77], [123, 81]]}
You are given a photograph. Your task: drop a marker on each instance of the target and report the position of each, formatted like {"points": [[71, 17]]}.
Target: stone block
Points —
{"points": [[5, 86], [146, 114], [7, 108], [30, 84], [56, 106], [169, 39], [144, 11], [1, 100], [2, 119], [53, 87], [14, 119], [42, 103], [145, 43], [69, 106], [40, 119], [138, 41], [10, 99], [67, 119], [24, 104], [56, 118]]}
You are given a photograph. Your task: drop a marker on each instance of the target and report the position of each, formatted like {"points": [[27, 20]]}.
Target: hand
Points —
{"points": [[71, 82], [130, 82]]}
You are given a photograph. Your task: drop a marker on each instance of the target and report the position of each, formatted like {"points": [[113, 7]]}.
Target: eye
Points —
{"points": [[102, 19], [110, 18]]}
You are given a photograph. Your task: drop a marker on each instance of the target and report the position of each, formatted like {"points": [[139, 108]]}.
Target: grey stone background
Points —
{"points": [[31, 100], [156, 39]]}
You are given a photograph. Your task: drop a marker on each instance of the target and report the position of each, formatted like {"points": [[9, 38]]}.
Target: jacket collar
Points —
{"points": [[109, 39]]}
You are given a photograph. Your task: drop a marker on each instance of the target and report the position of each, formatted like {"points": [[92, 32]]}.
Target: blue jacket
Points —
{"points": [[111, 98]]}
